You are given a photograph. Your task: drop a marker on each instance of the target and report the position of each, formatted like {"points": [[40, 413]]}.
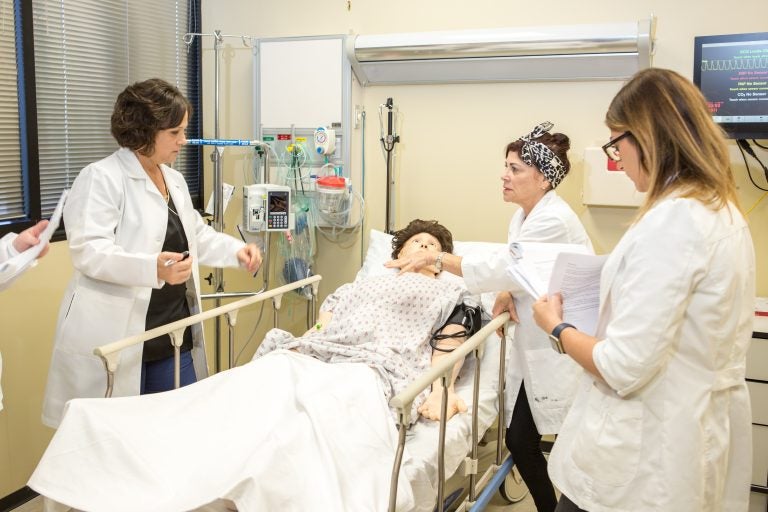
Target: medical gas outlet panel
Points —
{"points": [[267, 207], [313, 148]]}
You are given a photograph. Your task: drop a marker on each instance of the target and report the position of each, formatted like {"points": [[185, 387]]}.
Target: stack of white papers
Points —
{"points": [[12, 268], [569, 269]]}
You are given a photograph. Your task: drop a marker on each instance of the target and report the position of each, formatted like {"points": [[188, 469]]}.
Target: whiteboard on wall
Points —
{"points": [[300, 82]]}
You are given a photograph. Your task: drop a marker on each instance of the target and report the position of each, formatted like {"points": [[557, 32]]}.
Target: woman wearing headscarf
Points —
{"points": [[539, 382]]}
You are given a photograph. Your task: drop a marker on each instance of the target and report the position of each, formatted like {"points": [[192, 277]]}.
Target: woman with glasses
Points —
{"points": [[539, 383], [661, 420]]}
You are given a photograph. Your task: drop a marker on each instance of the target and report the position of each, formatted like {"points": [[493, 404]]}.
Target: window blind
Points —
{"points": [[86, 53], [11, 181]]}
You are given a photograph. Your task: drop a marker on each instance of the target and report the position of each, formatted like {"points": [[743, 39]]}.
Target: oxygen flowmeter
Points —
{"points": [[267, 207]]}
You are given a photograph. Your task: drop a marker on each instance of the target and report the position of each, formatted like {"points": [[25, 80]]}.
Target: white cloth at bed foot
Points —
{"points": [[284, 432]]}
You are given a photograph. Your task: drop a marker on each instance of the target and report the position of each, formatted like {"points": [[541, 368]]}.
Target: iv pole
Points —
{"points": [[388, 145], [216, 279]]}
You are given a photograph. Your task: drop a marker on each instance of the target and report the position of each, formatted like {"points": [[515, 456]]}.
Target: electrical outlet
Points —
{"points": [[358, 115]]}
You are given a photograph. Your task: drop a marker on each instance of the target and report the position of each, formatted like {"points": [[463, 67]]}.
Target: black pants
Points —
{"points": [[566, 505], [523, 442]]}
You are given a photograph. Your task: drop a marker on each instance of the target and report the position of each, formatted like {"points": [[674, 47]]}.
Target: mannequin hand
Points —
{"points": [[250, 257], [548, 311], [415, 262], [173, 273], [504, 302], [30, 237], [432, 406]]}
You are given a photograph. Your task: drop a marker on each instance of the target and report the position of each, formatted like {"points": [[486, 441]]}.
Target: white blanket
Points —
{"points": [[284, 432]]}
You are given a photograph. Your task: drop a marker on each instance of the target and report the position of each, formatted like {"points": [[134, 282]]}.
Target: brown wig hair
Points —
{"points": [[416, 226], [145, 108], [681, 150]]}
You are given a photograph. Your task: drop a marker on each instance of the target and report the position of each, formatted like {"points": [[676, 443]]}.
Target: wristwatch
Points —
{"points": [[439, 262], [554, 338]]}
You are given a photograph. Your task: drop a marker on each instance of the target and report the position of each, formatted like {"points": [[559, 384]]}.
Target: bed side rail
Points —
{"points": [[442, 370], [110, 353]]}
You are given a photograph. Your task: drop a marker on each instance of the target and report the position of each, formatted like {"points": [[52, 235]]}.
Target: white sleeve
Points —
{"points": [[649, 298], [214, 248], [484, 274], [7, 250]]}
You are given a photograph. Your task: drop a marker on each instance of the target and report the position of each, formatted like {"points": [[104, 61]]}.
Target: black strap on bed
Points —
{"points": [[469, 317]]}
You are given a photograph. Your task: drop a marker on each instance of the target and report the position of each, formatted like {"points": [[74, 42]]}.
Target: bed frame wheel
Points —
{"points": [[513, 489]]}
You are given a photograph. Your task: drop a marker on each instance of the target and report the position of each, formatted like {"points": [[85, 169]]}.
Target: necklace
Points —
{"points": [[167, 194], [168, 205]]}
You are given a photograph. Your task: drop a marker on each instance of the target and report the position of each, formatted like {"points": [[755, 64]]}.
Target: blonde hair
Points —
{"points": [[681, 149]]}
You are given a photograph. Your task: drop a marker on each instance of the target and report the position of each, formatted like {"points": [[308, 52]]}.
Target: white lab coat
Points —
{"points": [[550, 378], [7, 251], [669, 429], [116, 220]]}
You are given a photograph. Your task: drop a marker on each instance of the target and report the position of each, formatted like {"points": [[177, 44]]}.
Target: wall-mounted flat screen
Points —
{"points": [[732, 73]]}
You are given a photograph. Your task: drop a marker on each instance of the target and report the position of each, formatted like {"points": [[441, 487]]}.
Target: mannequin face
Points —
{"points": [[420, 242]]}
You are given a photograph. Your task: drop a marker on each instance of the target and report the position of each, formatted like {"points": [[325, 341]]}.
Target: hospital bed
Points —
{"points": [[429, 451]]}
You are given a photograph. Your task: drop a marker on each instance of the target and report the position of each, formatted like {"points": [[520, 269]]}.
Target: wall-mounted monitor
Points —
{"points": [[732, 73]]}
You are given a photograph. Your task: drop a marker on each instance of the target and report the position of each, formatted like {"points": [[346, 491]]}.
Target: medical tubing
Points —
{"points": [[406, 397], [362, 183], [342, 226], [765, 194], [468, 322], [225, 142]]}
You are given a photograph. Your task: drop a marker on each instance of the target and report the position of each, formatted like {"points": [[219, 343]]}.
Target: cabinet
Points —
{"points": [[757, 382]]}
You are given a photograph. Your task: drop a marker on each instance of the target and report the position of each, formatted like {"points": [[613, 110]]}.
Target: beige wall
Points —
{"points": [[448, 163]]}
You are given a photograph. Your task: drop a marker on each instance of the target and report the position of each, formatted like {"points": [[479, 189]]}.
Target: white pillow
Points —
{"points": [[380, 251]]}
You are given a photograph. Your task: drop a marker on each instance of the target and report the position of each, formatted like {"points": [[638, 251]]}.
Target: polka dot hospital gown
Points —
{"points": [[384, 322]]}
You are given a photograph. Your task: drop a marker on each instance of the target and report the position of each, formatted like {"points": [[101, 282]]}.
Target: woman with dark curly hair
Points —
{"points": [[135, 241], [540, 383]]}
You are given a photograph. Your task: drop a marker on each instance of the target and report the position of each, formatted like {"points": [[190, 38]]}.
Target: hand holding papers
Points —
{"points": [[568, 269], [15, 266], [577, 278]]}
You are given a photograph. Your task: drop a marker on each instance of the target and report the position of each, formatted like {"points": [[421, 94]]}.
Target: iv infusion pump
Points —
{"points": [[267, 207]]}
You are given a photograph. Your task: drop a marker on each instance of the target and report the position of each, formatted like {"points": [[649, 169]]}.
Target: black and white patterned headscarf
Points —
{"points": [[540, 156]]}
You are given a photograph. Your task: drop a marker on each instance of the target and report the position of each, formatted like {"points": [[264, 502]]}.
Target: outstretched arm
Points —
{"points": [[30, 237], [432, 406]]}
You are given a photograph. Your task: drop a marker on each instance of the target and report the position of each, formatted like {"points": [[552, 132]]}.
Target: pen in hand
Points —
{"points": [[184, 256]]}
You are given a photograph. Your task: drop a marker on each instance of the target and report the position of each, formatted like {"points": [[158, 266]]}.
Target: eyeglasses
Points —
{"points": [[610, 149]]}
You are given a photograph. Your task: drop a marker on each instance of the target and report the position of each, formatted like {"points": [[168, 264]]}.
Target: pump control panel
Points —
{"points": [[267, 207]]}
